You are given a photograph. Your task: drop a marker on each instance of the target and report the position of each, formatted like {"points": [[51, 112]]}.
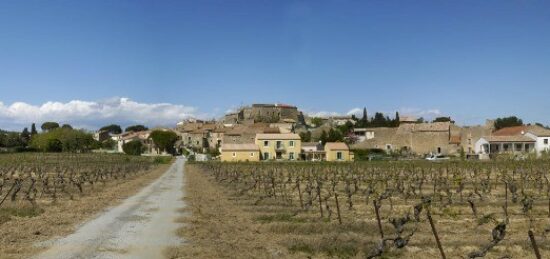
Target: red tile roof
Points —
{"points": [[510, 131]]}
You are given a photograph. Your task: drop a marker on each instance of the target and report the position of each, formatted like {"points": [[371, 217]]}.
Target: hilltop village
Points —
{"points": [[282, 132]]}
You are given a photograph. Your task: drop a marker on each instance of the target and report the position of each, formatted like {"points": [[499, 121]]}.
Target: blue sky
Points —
{"points": [[471, 60]]}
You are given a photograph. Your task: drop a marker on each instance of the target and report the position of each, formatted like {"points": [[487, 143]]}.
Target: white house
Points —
{"points": [[363, 134], [504, 145], [541, 137]]}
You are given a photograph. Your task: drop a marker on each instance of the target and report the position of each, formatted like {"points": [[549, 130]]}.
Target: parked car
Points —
{"points": [[437, 158]]}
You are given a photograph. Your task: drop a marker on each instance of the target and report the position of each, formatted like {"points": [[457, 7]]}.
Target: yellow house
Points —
{"points": [[278, 146], [240, 152], [338, 151]]}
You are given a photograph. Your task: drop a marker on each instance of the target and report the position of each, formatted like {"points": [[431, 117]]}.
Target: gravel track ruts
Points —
{"points": [[142, 226]]}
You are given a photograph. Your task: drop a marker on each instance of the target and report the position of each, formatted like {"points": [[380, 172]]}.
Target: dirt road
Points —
{"points": [[141, 227]]}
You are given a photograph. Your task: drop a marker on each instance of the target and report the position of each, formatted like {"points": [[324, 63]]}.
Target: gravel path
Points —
{"points": [[141, 227]]}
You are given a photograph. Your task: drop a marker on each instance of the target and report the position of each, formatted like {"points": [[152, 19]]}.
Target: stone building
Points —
{"points": [[267, 113], [423, 138]]}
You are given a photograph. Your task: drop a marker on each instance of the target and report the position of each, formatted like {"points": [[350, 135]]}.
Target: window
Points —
{"points": [[266, 143], [519, 147], [439, 150], [291, 155], [266, 156], [234, 154], [279, 144], [545, 141], [291, 143], [339, 156], [388, 147], [252, 154]]}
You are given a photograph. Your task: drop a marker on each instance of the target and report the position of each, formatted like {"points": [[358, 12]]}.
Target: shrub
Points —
{"points": [[134, 148]]}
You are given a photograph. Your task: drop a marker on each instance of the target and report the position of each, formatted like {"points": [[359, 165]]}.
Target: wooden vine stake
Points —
{"points": [[534, 244], [435, 233], [376, 210]]}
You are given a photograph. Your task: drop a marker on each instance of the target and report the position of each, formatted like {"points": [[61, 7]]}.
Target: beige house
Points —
{"points": [[337, 151], [279, 146], [240, 152]]}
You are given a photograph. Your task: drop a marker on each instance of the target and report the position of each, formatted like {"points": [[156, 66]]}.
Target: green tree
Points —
{"points": [[49, 125], [396, 120], [60, 139], [507, 122], [33, 130], [113, 129], [164, 140], [335, 135], [134, 148], [317, 121], [135, 128], [442, 119], [53, 145], [346, 128], [305, 136], [25, 136], [67, 126], [108, 144], [379, 120], [323, 137]]}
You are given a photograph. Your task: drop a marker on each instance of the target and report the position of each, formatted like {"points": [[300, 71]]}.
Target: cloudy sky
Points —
{"points": [[155, 62]]}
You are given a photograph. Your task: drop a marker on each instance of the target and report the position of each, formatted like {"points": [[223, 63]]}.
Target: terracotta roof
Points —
{"points": [[539, 131], [240, 147], [516, 138], [278, 136], [510, 131], [336, 146]]}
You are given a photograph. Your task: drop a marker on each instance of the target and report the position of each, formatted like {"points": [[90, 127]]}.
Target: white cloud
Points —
{"points": [[322, 114], [426, 113], [355, 111], [89, 114]]}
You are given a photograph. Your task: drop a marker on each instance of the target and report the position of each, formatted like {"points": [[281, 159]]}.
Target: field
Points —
{"points": [[368, 210], [43, 196]]}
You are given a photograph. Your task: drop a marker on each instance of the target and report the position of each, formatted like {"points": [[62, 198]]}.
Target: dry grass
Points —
{"points": [[23, 227], [217, 227]]}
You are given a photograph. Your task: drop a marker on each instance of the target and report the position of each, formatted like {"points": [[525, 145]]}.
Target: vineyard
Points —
{"points": [[395, 209], [28, 181]]}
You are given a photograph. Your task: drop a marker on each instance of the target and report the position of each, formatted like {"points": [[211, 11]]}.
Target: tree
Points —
{"points": [[164, 140], [66, 126], [135, 128], [346, 128], [317, 121], [305, 136], [335, 136], [108, 144], [507, 122], [396, 120], [364, 122], [442, 119], [379, 120], [63, 139], [134, 148], [49, 125], [323, 137], [25, 136], [33, 130], [113, 129]]}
